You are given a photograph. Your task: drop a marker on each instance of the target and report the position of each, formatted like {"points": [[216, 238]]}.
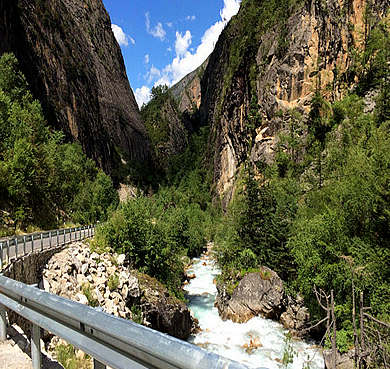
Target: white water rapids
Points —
{"points": [[228, 338]]}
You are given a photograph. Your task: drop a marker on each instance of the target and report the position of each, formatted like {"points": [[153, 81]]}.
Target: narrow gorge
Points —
{"points": [[275, 150]]}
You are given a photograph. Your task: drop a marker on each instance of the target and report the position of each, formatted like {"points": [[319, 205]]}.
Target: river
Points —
{"points": [[228, 338]]}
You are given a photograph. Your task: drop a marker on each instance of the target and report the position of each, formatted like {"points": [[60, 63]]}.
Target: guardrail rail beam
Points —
{"points": [[112, 341]]}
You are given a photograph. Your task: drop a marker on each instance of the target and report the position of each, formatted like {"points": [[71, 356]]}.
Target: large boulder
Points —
{"points": [[162, 311], [256, 294]]}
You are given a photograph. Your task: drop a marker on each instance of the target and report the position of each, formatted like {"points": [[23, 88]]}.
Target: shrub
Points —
{"points": [[113, 282]]}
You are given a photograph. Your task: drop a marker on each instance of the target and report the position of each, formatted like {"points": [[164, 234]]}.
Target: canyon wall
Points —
{"points": [[75, 68], [269, 69]]}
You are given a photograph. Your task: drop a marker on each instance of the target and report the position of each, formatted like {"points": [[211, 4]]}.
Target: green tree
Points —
{"points": [[41, 176]]}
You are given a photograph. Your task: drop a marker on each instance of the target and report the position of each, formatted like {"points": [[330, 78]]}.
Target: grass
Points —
{"points": [[136, 314], [89, 294], [66, 356], [113, 282]]}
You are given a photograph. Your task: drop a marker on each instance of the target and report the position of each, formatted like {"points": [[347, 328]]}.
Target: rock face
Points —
{"points": [[344, 361], [74, 66], [163, 312], [256, 294], [103, 280], [296, 315], [187, 92], [272, 77]]}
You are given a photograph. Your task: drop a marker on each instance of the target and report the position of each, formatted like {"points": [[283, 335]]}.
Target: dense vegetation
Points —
{"points": [[43, 181], [161, 232], [320, 215]]}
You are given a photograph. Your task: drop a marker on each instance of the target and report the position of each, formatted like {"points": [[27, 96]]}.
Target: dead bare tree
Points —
{"points": [[374, 340], [330, 320]]}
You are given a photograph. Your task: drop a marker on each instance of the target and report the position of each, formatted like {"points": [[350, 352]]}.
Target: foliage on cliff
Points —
{"points": [[165, 128], [244, 35], [41, 178], [320, 214]]}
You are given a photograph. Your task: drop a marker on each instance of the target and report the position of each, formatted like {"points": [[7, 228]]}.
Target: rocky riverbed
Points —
{"points": [[244, 334]]}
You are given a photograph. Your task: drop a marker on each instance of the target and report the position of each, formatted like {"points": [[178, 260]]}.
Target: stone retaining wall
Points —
{"points": [[28, 269]]}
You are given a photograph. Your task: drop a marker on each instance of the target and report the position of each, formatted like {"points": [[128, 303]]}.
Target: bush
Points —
{"points": [[154, 238]]}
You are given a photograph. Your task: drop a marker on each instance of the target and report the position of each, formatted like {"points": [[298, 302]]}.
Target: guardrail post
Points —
{"points": [[16, 248], [24, 245], [98, 365], [1, 256], [32, 242], [3, 324], [41, 241], [64, 237], [8, 252], [36, 346], [50, 239]]}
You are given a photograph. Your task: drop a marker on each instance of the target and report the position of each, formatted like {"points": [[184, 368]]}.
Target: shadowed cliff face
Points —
{"points": [[273, 67], [74, 66]]}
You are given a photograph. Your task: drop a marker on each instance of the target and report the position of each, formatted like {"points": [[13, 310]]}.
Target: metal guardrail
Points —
{"points": [[12, 248], [112, 341]]}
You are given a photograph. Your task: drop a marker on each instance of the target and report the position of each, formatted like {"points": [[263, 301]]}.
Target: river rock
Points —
{"points": [[256, 294], [121, 259], [162, 311], [133, 287], [343, 361], [296, 316]]}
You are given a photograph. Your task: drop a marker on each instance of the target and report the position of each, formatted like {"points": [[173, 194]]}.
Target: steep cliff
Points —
{"points": [[172, 115], [187, 91], [74, 66], [270, 59]]}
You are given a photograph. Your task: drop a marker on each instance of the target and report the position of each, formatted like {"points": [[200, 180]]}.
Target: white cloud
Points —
{"points": [[122, 38], [190, 17], [230, 8], [182, 42], [142, 95], [186, 61], [146, 59], [169, 24], [153, 74], [158, 31]]}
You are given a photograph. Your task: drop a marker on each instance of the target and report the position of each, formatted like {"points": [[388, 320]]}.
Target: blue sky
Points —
{"points": [[163, 40]]}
